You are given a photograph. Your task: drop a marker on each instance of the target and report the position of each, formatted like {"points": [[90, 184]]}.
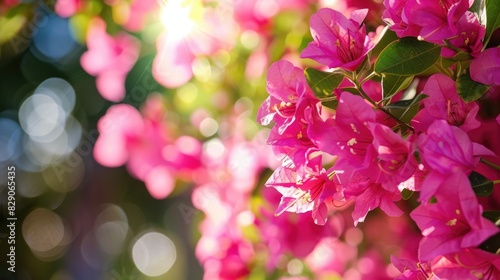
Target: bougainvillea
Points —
{"points": [[317, 139]]}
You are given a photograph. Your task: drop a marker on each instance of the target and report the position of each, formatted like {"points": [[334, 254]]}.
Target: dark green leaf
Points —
{"points": [[480, 185], [462, 56], [322, 83], [392, 84], [493, 216], [468, 89], [332, 104], [388, 36], [405, 110], [477, 7], [407, 56], [491, 244], [492, 18], [406, 194], [404, 104]]}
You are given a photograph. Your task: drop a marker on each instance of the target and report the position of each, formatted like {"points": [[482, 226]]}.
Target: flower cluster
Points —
{"points": [[340, 140]]}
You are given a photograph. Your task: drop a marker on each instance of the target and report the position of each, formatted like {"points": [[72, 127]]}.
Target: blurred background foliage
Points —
{"points": [[77, 219]]}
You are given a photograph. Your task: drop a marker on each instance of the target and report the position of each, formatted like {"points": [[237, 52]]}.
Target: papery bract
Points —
{"points": [[338, 41], [394, 158], [485, 68], [454, 222], [468, 264], [446, 150], [346, 134], [433, 21], [302, 195], [369, 195], [469, 36], [444, 103], [292, 106]]}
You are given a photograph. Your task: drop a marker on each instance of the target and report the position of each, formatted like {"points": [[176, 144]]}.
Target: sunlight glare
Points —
{"points": [[177, 18]]}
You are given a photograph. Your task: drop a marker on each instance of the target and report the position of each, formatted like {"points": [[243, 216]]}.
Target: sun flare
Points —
{"points": [[178, 17]]}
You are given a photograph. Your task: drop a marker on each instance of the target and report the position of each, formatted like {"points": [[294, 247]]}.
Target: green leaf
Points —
{"points": [[480, 185], [392, 84], [468, 89], [332, 104], [406, 194], [407, 56], [405, 110], [492, 18], [388, 36], [491, 244], [322, 83]]}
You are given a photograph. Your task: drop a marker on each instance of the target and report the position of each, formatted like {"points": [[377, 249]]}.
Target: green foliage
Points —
{"points": [[492, 18], [392, 84], [407, 56], [468, 89], [322, 83], [480, 185], [405, 110]]}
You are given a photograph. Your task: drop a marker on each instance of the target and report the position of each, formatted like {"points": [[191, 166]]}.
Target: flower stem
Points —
{"points": [[490, 164], [368, 77]]}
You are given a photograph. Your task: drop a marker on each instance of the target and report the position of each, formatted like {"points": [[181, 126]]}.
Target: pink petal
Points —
{"points": [[159, 182]]}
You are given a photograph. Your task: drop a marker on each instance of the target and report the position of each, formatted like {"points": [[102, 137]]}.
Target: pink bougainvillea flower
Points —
{"points": [[302, 195], [438, 19], [395, 16], [454, 222], [338, 41], [286, 85], [369, 195], [109, 59], [346, 134], [433, 21], [446, 150], [143, 144], [470, 34], [485, 68], [444, 103], [468, 264], [291, 105], [394, 158], [411, 270]]}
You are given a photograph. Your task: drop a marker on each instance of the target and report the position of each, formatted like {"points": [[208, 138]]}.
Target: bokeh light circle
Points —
{"points": [[154, 253]]}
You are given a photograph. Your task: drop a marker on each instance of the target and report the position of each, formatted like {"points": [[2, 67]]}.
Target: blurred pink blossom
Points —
{"points": [[109, 59], [67, 8], [143, 144]]}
